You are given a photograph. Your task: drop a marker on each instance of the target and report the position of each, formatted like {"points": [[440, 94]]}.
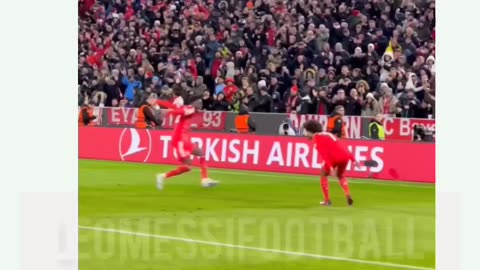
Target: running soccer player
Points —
{"points": [[182, 145], [335, 157]]}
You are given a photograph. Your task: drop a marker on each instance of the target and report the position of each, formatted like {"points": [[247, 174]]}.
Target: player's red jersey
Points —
{"points": [[180, 140], [332, 152], [182, 120]]}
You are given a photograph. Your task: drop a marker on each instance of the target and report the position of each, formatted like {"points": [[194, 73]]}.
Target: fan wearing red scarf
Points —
{"points": [[181, 143], [335, 157]]}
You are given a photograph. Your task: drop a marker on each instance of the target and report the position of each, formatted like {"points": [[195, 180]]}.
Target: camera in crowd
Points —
{"points": [[423, 134], [286, 128]]}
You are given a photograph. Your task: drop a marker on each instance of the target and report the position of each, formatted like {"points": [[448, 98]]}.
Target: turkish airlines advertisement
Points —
{"points": [[401, 161], [205, 120], [399, 129]]}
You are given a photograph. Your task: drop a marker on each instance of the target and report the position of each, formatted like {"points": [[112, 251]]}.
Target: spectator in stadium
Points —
{"points": [[307, 44], [339, 99], [207, 100], [370, 106], [98, 98], [112, 91], [198, 87], [166, 93], [410, 104], [219, 86], [146, 117], [389, 104], [293, 100], [243, 122], [230, 90], [353, 103], [336, 125], [220, 103], [429, 99], [130, 84], [278, 105], [263, 102], [375, 128], [85, 115]]}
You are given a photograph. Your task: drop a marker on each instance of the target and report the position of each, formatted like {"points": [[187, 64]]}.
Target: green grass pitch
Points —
{"points": [[252, 220]]}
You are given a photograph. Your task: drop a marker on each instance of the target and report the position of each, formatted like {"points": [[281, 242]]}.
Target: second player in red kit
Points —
{"points": [[334, 155], [182, 144]]}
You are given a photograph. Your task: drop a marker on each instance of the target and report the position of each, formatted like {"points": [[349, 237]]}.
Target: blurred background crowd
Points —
{"points": [[296, 56]]}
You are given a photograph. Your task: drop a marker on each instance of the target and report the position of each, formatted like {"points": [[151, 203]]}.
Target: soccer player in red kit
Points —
{"points": [[181, 143], [335, 157]]}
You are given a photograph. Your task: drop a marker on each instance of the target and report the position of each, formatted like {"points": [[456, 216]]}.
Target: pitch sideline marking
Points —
{"points": [[290, 176], [373, 182], [219, 244]]}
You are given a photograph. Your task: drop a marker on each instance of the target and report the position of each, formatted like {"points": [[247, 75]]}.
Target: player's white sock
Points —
{"points": [[160, 180]]}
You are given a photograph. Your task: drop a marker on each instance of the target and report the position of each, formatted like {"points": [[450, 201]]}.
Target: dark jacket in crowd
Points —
{"points": [[321, 105], [140, 98], [410, 106], [220, 105], [353, 106], [305, 104], [263, 103], [113, 92], [207, 103]]}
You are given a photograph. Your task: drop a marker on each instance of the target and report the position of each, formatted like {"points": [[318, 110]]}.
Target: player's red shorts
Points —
{"points": [[341, 167], [183, 149]]}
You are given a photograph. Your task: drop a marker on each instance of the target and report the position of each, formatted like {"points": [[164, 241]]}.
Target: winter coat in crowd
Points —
{"points": [[207, 103], [410, 105], [263, 103], [321, 40], [321, 106], [112, 91], [212, 47], [278, 104], [199, 87], [389, 105], [131, 85], [305, 104], [353, 106], [371, 107], [220, 104], [250, 102], [140, 98]]}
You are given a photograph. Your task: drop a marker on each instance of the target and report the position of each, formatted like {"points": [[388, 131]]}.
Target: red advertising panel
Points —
{"points": [[206, 120], [399, 129], [396, 160]]}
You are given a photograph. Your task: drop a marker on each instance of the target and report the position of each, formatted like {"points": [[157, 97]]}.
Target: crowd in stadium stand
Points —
{"points": [[301, 56]]}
